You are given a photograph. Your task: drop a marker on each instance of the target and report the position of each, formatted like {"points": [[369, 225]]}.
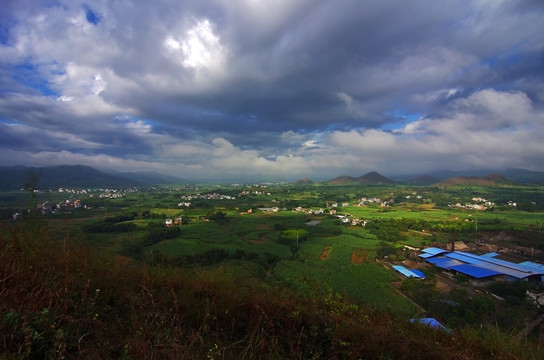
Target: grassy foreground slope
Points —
{"points": [[63, 302]]}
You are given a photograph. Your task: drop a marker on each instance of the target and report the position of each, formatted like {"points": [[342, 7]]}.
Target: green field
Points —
{"points": [[260, 248]]}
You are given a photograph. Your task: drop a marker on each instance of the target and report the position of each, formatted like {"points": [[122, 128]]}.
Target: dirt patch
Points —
{"points": [[325, 254], [254, 241], [262, 239], [264, 227], [358, 256], [444, 283]]}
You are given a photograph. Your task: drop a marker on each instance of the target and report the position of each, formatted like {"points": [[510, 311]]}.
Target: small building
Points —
{"points": [[412, 248], [481, 267], [414, 273], [432, 323], [168, 222]]}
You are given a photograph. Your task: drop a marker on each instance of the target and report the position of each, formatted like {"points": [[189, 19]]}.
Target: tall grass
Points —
{"points": [[66, 302]]}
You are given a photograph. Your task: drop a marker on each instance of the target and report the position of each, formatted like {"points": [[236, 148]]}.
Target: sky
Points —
{"points": [[278, 89]]}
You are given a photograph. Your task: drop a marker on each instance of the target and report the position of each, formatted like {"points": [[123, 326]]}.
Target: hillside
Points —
{"points": [[342, 179], [522, 176], [61, 302], [374, 178], [422, 180], [371, 178], [71, 176], [488, 180], [304, 181], [148, 177]]}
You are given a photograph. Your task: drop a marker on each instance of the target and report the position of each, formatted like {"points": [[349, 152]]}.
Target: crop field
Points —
{"points": [[304, 250]]}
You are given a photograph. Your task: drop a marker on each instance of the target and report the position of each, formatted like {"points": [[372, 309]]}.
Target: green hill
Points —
{"points": [[63, 302], [371, 178], [74, 176], [488, 180]]}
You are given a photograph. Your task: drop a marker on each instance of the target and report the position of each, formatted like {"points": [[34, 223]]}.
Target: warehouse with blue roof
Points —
{"points": [[486, 266]]}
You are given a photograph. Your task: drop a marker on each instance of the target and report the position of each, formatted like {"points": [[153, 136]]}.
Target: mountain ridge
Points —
{"points": [[82, 176], [370, 178], [488, 180], [77, 176]]}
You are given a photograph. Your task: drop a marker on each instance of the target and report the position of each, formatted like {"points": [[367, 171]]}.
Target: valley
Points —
{"points": [[317, 240]]}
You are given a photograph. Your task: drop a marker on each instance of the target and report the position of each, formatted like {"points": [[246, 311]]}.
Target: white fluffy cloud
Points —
{"points": [[287, 89]]}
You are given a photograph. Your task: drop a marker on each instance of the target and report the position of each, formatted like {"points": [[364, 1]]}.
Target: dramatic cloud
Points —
{"points": [[282, 89]]}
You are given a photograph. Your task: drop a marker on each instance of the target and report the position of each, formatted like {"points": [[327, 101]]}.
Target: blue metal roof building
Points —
{"points": [[432, 251], [432, 323], [482, 266], [409, 273]]}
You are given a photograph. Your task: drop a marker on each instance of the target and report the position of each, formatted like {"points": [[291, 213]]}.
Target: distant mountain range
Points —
{"points": [[488, 180], [149, 177], [445, 178], [521, 176], [372, 177], [304, 181], [78, 176]]}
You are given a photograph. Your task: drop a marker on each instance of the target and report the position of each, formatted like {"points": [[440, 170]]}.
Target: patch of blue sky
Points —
{"points": [[27, 74], [403, 118], [330, 128], [506, 59], [91, 16], [148, 122], [4, 35], [7, 121], [509, 58], [124, 118]]}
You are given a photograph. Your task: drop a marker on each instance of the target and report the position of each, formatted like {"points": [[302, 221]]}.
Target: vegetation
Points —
{"points": [[112, 281]]}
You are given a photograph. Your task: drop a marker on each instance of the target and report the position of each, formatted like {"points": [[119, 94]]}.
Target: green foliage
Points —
{"points": [[384, 250], [271, 290], [112, 224], [461, 278], [293, 236], [216, 215], [516, 289], [385, 229], [158, 232]]}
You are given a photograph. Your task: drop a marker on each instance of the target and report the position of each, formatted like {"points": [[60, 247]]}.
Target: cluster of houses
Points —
{"points": [[110, 194], [482, 204], [73, 191], [300, 209], [63, 206], [415, 195], [479, 204], [253, 192], [468, 206], [383, 203], [344, 218], [47, 208], [273, 209], [176, 222], [212, 196]]}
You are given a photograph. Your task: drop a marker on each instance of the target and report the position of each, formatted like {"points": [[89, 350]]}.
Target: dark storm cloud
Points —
{"points": [[285, 88]]}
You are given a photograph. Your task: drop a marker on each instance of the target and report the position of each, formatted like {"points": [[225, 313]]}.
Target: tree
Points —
{"points": [[293, 236], [216, 215], [385, 250], [31, 185]]}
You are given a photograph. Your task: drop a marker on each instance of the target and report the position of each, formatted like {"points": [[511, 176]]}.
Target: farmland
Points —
{"points": [[314, 239]]}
